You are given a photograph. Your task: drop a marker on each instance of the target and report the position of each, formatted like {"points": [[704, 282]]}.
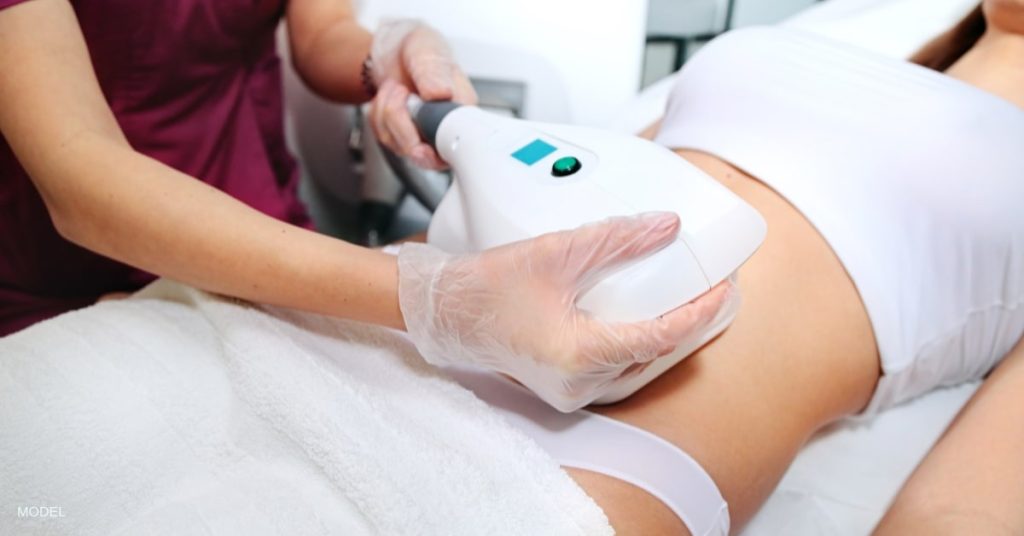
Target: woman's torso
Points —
{"points": [[194, 84], [802, 351], [915, 181]]}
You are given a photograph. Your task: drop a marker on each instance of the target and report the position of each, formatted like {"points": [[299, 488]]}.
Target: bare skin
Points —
{"points": [[973, 480], [996, 62]]}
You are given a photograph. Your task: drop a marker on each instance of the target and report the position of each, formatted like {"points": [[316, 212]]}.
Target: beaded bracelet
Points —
{"points": [[366, 73]]}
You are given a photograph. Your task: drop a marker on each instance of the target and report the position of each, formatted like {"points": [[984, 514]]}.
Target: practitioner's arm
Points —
{"points": [[104, 196], [973, 480], [490, 309], [328, 47]]}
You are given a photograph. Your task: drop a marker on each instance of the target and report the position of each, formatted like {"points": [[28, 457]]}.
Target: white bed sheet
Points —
{"points": [[894, 27]]}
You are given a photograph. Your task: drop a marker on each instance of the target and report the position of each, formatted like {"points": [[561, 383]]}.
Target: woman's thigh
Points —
{"points": [[972, 482], [630, 509], [800, 354]]}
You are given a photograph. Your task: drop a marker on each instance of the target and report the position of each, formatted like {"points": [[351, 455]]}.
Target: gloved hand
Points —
{"points": [[513, 309], [409, 56]]}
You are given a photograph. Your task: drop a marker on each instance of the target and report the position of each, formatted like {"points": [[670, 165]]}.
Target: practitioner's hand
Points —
{"points": [[513, 309], [409, 56]]}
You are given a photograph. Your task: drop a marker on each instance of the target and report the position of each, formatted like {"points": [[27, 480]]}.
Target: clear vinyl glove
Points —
{"points": [[408, 56], [513, 309]]}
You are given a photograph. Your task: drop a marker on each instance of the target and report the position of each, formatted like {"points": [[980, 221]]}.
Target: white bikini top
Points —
{"points": [[914, 178]]}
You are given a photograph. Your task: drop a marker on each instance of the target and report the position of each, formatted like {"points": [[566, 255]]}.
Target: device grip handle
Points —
{"points": [[428, 117]]}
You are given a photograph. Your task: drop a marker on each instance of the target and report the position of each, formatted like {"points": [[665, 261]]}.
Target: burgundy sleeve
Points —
{"points": [[4, 4]]}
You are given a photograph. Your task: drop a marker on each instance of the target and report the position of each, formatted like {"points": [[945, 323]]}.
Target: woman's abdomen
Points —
{"points": [[800, 354]]}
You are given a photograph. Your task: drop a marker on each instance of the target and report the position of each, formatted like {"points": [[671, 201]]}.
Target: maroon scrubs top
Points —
{"points": [[195, 84]]}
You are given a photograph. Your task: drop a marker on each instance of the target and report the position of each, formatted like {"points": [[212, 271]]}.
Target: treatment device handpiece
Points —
{"points": [[518, 179]]}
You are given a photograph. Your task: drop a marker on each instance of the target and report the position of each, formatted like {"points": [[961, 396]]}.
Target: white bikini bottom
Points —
{"points": [[592, 442]]}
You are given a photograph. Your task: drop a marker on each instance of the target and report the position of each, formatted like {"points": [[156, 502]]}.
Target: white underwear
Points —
{"points": [[592, 442]]}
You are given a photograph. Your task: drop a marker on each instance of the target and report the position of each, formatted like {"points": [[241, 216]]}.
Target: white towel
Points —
{"points": [[177, 412]]}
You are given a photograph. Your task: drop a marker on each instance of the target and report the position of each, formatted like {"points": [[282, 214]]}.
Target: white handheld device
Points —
{"points": [[515, 180]]}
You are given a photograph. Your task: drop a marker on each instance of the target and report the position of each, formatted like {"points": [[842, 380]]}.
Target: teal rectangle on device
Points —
{"points": [[533, 152]]}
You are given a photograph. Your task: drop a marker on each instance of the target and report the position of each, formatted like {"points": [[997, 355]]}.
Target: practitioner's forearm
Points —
{"points": [[131, 208], [108, 198], [328, 47]]}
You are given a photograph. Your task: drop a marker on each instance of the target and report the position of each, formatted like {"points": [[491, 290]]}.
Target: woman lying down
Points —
{"points": [[894, 264]]}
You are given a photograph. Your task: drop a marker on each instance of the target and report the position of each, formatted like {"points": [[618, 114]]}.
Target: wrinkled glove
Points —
{"points": [[411, 57], [512, 309]]}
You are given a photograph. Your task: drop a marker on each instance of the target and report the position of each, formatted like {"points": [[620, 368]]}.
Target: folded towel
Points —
{"points": [[178, 412]]}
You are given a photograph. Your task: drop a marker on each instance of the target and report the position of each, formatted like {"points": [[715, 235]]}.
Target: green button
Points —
{"points": [[566, 166]]}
